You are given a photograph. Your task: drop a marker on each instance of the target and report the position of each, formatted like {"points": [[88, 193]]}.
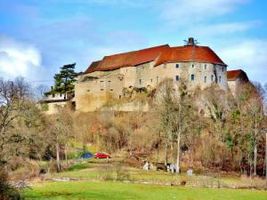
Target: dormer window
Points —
{"points": [[177, 65]]}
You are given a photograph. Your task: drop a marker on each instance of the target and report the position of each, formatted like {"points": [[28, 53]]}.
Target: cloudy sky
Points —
{"points": [[37, 37]]}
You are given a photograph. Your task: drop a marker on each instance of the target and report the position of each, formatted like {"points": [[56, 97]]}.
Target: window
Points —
{"points": [[140, 81], [223, 68], [193, 65], [157, 79], [192, 77], [177, 65], [151, 80], [53, 95], [111, 90], [212, 78], [220, 79], [60, 95], [205, 79], [177, 78], [205, 66]]}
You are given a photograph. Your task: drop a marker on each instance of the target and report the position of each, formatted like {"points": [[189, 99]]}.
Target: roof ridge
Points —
{"points": [[185, 46], [117, 54]]}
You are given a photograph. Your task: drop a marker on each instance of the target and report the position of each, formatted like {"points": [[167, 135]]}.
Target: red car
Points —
{"points": [[102, 155]]}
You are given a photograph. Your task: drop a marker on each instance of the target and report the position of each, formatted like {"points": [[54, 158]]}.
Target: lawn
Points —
{"points": [[116, 191], [103, 170]]}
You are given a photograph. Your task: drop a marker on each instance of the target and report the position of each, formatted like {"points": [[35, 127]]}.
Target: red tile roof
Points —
{"points": [[233, 75], [92, 67], [159, 54], [190, 53]]}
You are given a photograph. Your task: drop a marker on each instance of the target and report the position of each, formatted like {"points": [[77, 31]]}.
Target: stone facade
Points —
{"points": [[92, 90]]}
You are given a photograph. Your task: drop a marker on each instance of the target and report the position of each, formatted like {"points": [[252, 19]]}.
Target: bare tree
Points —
{"points": [[175, 115], [61, 130], [13, 102]]}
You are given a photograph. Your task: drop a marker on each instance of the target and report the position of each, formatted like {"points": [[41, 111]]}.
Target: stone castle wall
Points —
{"points": [[93, 90]]}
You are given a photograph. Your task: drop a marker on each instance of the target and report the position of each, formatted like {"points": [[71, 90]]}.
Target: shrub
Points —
{"points": [[7, 192]]}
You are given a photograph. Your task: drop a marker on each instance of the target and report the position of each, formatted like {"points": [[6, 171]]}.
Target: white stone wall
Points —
{"points": [[55, 97]]}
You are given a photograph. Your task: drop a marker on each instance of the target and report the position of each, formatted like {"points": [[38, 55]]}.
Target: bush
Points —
{"points": [[7, 192]]}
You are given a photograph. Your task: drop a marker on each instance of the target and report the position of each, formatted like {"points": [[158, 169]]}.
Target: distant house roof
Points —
{"points": [[233, 75], [159, 54]]}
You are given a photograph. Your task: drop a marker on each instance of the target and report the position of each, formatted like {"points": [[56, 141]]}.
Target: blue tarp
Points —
{"points": [[87, 155]]}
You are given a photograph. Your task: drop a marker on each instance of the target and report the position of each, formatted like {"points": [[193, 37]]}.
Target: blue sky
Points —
{"points": [[37, 37]]}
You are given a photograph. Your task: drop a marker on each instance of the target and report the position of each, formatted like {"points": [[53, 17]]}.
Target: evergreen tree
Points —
{"points": [[64, 80]]}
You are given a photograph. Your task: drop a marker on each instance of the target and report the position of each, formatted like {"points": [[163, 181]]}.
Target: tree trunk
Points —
{"points": [[58, 158], [255, 160], [250, 167], [179, 139], [66, 153], [166, 154], [241, 163], [178, 152]]}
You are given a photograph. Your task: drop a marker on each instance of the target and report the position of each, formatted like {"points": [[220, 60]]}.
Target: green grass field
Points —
{"points": [[101, 179], [117, 191]]}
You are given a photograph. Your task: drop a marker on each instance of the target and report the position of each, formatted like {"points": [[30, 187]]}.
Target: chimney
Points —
{"points": [[191, 41]]}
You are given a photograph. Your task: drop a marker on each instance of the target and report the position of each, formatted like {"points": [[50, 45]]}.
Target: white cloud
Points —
{"points": [[185, 11], [249, 55], [222, 28], [17, 58]]}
